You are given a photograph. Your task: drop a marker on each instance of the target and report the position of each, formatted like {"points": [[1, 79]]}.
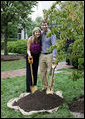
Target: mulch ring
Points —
{"points": [[38, 102], [12, 57]]}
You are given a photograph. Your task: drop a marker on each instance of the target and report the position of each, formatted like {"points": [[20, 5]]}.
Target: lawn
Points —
{"points": [[13, 87], [13, 65]]}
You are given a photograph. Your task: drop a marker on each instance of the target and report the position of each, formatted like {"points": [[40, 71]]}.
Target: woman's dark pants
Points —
{"points": [[35, 71]]}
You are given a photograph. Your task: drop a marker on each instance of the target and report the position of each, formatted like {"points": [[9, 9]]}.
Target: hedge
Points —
{"points": [[9, 39], [19, 46]]}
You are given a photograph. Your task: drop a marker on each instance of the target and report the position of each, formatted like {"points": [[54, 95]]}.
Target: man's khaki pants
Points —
{"points": [[45, 66]]}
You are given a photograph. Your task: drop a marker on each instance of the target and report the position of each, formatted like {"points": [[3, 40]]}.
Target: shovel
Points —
{"points": [[33, 87], [50, 88]]}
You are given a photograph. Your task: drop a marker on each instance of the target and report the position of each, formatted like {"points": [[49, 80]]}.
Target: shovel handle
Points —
{"points": [[32, 74]]}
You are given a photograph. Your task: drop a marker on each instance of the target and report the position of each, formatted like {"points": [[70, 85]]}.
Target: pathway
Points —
{"points": [[22, 72]]}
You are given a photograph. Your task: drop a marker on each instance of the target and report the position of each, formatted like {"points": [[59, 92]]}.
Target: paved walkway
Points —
{"points": [[13, 73], [22, 72]]}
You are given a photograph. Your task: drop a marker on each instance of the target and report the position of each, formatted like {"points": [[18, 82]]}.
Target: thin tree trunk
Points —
{"points": [[5, 40]]}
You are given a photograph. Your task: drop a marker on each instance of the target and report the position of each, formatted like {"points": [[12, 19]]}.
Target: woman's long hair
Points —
{"points": [[33, 35]]}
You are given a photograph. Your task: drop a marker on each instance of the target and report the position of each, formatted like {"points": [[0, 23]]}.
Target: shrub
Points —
{"points": [[81, 63], [9, 39], [12, 39], [78, 53], [19, 46], [77, 74]]}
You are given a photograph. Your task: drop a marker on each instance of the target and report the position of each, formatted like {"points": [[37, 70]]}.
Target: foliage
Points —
{"points": [[19, 46], [77, 74], [9, 39], [12, 30], [2, 44], [38, 21], [30, 25], [68, 21], [12, 39], [78, 52], [61, 53], [15, 12], [81, 63]]}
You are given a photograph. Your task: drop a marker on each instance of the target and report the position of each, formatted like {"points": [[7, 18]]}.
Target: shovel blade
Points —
{"points": [[33, 88]]}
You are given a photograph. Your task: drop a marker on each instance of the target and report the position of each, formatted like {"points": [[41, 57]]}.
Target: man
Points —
{"points": [[46, 58]]}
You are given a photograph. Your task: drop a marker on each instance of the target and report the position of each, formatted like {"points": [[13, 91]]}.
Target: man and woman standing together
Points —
{"points": [[37, 46]]}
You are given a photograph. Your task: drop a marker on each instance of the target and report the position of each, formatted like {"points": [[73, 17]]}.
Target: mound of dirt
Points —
{"points": [[39, 101], [77, 105]]}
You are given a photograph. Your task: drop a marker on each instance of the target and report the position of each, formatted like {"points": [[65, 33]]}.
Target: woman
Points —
{"points": [[33, 50]]}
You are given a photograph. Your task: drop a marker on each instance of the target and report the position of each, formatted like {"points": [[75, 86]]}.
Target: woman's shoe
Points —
{"points": [[44, 90]]}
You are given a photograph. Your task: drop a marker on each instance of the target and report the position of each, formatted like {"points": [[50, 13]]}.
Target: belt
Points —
{"points": [[47, 53]]}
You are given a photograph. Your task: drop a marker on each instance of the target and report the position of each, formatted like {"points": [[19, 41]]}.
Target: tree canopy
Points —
{"points": [[68, 22], [14, 11]]}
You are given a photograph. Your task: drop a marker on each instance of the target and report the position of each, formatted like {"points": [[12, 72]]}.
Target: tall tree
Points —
{"points": [[38, 21], [12, 11]]}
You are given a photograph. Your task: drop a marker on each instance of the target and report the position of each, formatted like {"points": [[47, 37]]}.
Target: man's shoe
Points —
{"points": [[49, 91]]}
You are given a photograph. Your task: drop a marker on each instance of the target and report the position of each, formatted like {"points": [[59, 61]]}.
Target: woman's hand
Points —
{"points": [[30, 56], [30, 59]]}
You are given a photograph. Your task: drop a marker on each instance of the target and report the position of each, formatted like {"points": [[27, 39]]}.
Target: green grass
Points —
{"points": [[71, 89], [66, 69], [13, 65], [13, 87], [2, 51]]}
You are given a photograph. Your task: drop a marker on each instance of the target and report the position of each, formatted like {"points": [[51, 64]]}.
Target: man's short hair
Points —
{"points": [[45, 21]]}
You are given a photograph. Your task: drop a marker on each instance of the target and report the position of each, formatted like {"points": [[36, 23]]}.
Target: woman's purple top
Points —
{"points": [[35, 47]]}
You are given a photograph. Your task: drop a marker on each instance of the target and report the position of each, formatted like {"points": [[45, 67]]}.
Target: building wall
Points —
{"points": [[22, 34]]}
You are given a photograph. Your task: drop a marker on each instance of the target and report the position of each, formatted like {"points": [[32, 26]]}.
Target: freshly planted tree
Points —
{"points": [[68, 22], [12, 11]]}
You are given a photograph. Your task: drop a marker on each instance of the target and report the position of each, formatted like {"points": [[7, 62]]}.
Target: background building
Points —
{"points": [[22, 33]]}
